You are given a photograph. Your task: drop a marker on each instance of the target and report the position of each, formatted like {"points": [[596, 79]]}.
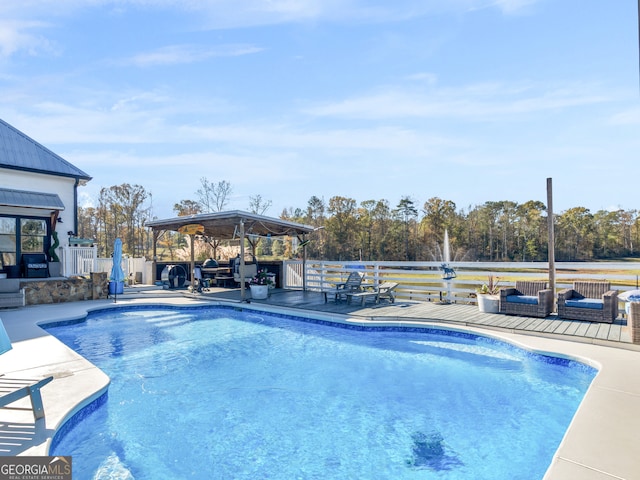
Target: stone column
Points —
{"points": [[100, 285]]}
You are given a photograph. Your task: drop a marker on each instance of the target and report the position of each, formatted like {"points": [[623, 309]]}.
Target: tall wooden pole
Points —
{"points": [[552, 250]]}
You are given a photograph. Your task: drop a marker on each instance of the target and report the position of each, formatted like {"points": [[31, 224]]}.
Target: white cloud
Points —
{"points": [[22, 23], [177, 54], [424, 77], [630, 116], [267, 136], [231, 13], [234, 13], [514, 6], [15, 37], [482, 101], [148, 118]]}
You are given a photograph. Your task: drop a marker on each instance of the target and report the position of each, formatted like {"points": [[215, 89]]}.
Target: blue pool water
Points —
{"points": [[223, 394]]}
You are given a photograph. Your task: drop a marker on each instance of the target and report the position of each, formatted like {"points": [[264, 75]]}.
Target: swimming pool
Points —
{"points": [[220, 393]]}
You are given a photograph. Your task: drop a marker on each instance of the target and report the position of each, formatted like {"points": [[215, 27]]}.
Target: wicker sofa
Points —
{"points": [[11, 295], [528, 298], [589, 301]]}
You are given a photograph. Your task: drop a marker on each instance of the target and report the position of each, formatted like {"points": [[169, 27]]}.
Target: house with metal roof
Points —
{"points": [[38, 196]]}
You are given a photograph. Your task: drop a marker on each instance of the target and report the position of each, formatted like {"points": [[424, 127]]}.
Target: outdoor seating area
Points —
{"points": [[529, 298], [589, 301]]}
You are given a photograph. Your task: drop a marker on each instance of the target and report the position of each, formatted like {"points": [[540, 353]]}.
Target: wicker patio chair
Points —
{"points": [[528, 298], [633, 322], [589, 301]]}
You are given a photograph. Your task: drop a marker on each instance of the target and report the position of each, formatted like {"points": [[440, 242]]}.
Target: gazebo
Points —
{"points": [[231, 225]]}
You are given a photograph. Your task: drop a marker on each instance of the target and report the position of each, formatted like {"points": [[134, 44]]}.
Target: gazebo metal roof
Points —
{"points": [[226, 225]]}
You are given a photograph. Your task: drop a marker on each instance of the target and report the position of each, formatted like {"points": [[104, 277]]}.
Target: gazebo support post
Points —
{"points": [[192, 238], [242, 289], [154, 264], [304, 266]]}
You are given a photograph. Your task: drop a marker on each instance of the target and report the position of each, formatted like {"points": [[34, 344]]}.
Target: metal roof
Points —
{"points": [[25, 199], [225, 225], [20, 152]]}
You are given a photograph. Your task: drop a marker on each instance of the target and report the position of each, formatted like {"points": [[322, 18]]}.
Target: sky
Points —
{"points": [[466, 100]]}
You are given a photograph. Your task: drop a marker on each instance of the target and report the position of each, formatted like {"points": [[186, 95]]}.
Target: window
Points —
{"points": [[7, 241], [33, 233]]}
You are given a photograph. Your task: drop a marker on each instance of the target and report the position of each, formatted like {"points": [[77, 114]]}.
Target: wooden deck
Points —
{"points": [[615, 334]]}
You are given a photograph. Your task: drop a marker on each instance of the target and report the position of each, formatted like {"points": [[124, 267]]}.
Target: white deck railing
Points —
{"points": [[423, 280], [417, 280], [80, 261]]}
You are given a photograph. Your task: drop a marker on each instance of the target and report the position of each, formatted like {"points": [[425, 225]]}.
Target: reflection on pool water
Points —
{"points": [[218, 393]]}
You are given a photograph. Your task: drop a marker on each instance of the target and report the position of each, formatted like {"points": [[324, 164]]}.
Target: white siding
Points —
{"points": [[38, 182]]}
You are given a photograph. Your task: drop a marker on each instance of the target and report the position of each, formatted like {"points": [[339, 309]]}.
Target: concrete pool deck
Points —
{"points": [[599, 444]]}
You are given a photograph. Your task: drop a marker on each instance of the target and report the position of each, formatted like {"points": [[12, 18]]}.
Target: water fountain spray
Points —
{"points": [[448, 273]]}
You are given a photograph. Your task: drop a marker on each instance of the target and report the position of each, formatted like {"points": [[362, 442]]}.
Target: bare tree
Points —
{"points": [[213, 197], [259, 205]]}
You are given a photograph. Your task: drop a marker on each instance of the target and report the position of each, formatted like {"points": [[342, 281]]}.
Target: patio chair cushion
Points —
{"points": [[592, 303], [526, 299], [9, 285]]}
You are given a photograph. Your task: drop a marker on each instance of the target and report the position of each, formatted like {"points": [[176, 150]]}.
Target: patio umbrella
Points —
{"points": [[117, 275], [5, 343], [630, 296]]}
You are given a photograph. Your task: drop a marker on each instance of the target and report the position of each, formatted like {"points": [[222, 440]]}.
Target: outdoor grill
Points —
{"points": [[173, 276]]}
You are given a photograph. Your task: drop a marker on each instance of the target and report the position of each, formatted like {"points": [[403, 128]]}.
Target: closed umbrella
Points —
{"points": [[117, 275], [629, 296], [5, 343]]}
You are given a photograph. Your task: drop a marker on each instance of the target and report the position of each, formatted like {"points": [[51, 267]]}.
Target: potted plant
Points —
{"points": [[54, 262], [259, 285], [488, 295]]}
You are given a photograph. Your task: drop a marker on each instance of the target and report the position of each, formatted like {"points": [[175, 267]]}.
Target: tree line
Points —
{"points": [[374, 230]]}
